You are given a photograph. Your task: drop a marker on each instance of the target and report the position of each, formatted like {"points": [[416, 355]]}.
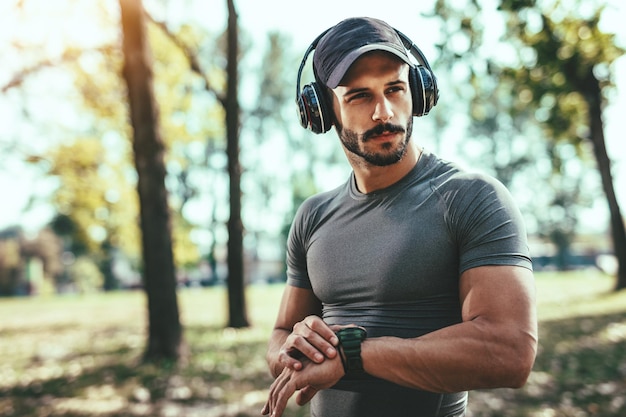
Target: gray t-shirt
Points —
{"points": [[390, 261]]}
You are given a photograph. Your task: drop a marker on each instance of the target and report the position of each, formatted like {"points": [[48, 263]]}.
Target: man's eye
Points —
{"points": [[358, 96]]}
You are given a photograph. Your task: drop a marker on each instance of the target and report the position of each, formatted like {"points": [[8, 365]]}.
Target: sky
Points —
{"points": [[303, 21]]}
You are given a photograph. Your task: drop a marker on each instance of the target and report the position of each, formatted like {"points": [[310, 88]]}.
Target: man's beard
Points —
{"points": [[351, 141]]}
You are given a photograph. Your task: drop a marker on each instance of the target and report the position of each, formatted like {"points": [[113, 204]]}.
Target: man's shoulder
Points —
{"points": [[454, 184], [449, 175], [321, 203], [473, 179]]}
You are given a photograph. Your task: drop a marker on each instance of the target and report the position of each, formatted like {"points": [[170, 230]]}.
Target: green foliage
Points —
{"points": [[188, 113], [561, 57], [95, 201], [86, 275], [101, 96]]}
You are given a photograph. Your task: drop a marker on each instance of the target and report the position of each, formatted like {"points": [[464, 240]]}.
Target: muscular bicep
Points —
{"points": [[500, 295]]}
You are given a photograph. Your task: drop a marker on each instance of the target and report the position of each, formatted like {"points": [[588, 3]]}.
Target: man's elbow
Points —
{"points": [[519, 375], [519, 366]]}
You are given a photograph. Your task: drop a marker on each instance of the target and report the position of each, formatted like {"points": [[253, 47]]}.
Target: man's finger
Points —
{"points": [[319, 326], [288, 360], [313, 340], [305, 395], [280, 398], [314, 347]]}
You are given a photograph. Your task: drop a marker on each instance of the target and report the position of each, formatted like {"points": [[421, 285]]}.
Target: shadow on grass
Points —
{"points": [[224, 375]]}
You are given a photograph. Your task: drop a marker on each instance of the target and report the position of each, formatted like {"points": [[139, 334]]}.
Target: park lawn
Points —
{"points": [[80, 356]]}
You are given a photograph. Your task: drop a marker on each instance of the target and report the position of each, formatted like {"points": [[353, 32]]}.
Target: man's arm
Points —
{"points": [[299, 331], [494, 346]]}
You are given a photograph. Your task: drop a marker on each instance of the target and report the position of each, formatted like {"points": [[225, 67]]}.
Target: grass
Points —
{"points": [[79, 356]]}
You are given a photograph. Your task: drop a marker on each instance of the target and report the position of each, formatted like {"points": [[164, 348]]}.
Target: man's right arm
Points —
{"points": [[299, 331]]}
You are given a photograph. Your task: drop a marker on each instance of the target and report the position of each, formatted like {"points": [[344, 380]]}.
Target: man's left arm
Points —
{"points": [[495, 345]]}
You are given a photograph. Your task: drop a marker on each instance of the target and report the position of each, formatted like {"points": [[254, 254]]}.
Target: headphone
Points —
{"points": [[314, 110]]}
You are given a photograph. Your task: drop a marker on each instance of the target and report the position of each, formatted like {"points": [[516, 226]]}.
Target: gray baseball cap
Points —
{"points": [[342, 44]]}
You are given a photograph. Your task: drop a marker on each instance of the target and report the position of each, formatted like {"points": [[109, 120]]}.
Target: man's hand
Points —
{"points": [[311, 378], [312, 339]]}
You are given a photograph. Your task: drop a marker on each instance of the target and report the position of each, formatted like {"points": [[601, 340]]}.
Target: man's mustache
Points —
{"points": [[380, 129]]}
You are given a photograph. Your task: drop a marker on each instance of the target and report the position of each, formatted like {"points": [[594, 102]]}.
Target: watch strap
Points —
{"points": [[350, 339]]}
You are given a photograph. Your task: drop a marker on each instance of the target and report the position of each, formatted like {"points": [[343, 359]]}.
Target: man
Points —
{"points": [[410, 284]]}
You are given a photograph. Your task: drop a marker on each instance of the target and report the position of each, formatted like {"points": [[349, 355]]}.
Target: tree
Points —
{"points": [[236, 283], [568, 68], [165, 331]]}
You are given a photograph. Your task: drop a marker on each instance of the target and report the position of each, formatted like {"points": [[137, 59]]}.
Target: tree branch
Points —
{"points": [[67, 56], [191, 56]]}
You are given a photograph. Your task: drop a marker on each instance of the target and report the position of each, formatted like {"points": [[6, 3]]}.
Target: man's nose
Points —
{"points": [[382, 111]]}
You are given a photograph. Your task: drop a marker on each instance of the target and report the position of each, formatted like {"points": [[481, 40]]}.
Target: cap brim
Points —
{"points": [[341, 68]]}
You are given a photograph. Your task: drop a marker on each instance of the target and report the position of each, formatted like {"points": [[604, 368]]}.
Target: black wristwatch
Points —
{"points": [[350, 339]]}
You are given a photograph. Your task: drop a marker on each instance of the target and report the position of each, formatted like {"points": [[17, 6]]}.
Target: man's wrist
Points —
{"points": [[350, 339]]}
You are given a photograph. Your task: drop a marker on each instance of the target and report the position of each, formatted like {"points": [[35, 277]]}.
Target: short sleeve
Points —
{"points": [[487, 225], [297, 272]]}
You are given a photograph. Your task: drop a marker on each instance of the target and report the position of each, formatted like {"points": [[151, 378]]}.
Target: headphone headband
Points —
{"points": [[415, 51], [308, 51]]}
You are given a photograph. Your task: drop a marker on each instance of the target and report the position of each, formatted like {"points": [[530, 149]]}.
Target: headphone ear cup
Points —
{"points": [[417, 91], [303, 111], [314, 114], [424, 90]]}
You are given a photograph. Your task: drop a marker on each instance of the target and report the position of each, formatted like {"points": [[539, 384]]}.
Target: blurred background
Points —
{"points": [[67, 174], [157, 146]]}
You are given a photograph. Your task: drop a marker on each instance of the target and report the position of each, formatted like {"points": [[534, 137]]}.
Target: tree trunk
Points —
{"points": [[618, 231], [164, 329], [236, 285]]}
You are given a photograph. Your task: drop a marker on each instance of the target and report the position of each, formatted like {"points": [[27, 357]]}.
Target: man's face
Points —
{"points": [[374, 109]]}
